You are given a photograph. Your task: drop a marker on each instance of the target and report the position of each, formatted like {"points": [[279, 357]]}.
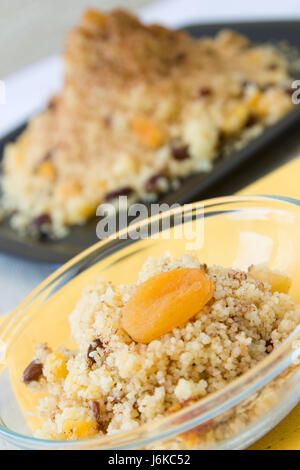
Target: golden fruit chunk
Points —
{"points": [[147, 133], [164, 302], [92, 17], [254, 100], [279, 281], [56, 364], [79, 429], [69, 189], [235, 119], [86, 211], [47, 171]]}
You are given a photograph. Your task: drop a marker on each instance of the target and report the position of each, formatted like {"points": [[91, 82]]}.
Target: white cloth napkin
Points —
{"points": [[29, 90]]}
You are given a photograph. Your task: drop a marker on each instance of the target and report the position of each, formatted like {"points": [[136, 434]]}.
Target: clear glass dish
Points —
{"points": [[233, 231]]}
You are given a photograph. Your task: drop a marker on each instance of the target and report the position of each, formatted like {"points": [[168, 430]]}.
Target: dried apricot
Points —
{"points": [[147, 133], [164, 302], [93, 17]]}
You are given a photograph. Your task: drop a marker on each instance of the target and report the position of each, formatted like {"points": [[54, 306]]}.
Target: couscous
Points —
{"points": [[181, 332], [141, 108]]}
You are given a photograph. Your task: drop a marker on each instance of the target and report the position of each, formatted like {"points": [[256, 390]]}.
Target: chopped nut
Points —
{"points": [[48, 156], [96, 412], [269, 346], [238, 276], [97, 343]]}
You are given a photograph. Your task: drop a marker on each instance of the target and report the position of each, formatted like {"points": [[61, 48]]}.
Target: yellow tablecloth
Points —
{"points": [[283, 182]]}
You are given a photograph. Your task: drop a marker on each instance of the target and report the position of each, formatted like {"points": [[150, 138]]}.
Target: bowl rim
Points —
{"points": [[190, 416]]}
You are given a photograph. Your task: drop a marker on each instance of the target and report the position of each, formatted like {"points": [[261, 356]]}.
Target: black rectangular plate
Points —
{"points": [[196, 186]]}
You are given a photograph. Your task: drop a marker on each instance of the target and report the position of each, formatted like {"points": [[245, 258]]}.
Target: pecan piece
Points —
{"points": [[97, 343], [33, 372]]}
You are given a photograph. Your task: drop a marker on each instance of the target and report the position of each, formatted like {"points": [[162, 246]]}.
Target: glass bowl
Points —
{"points": [[229, 231]]}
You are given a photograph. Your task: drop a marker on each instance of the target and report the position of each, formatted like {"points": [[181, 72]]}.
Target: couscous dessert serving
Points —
{"points": [[141, 108], [181, 332]]}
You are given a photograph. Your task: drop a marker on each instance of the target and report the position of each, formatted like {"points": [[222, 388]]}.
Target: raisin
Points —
{"points": [[152, 185], [33, 372], [179, 151], [180, 57], [251, 121], [97, 343], [204, 91], [210, 51], [120, 192], [40, 221], [289, 91]]}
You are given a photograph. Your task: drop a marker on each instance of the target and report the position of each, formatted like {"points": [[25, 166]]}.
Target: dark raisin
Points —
{"points": [[152, 185], [251, 121], [33, 372], [120, 192], [40, 221], [97, 343], [179, 151], [97, 413], [180, 57], [204, 91], [210, 51], [289, 91], [221, 140], [273, 66]]}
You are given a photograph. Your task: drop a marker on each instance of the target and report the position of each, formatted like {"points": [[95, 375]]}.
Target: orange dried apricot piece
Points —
{"points": [[147, 133], [165, 301], [47, 171], [93, 17]]}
